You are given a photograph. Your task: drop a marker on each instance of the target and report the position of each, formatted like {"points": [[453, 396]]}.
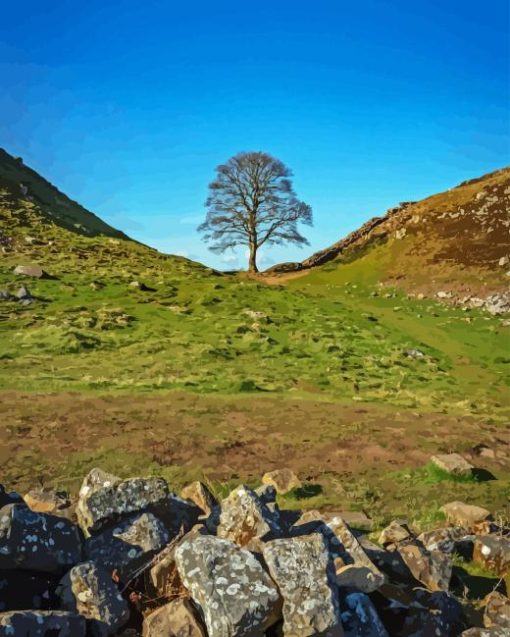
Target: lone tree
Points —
{"points": [[251, 202]]}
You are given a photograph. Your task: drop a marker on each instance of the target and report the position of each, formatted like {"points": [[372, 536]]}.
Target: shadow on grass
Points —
{"points": [[306, 491], [482, 475], [476, 586]]}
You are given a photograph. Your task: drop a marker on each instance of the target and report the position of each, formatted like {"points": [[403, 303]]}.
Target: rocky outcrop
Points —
{"points": [[246, 569]]}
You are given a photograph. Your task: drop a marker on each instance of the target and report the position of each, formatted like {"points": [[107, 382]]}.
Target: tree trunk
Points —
{"points": [[252, 265]]}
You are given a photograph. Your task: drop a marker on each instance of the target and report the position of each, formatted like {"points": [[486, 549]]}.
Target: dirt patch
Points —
{"points": [[223, 437]]}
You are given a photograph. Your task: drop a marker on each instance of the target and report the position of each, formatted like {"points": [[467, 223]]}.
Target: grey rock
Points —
{"points": [[37, 541], [236, 596], [244, 517], [360, 618], [4, 295], [453, 463], [431, 568], [493, 552], [445, 539], [34, 271], [88, 590], [395, 533], [303, 571], [33, 623], [128, 545], [104, 499]]}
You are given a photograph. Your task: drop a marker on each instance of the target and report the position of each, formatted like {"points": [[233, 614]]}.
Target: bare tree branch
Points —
{"points": [[251, 202]]}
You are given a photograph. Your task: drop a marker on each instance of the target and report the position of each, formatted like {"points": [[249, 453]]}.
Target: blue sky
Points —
{"points": [[128, 106]]}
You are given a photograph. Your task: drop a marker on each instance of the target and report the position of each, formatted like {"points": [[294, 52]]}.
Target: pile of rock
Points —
{"points": [[130, 557]]}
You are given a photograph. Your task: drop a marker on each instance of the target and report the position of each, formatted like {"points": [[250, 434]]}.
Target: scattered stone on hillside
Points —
{"points": [[400, 233], [34, 271], [128, 545], [245, 517], [303, 571], [465, 514], [360, 618], [102, 501], [47, 501], [178, 618], [199, 494], [283, 480], [395, 533], [236, 596], [88, 590], [431, 568], [444, 295], [24, 297], [503, 261], [37, 541], [20, 590], [445, 539], [497, 611], [414, 353], [34, 623], [453, 463], [493, 552], [141, 286], [4, 295]]}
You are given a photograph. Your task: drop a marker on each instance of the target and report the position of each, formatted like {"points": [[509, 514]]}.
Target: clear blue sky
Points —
{"points": [[128, 106]]}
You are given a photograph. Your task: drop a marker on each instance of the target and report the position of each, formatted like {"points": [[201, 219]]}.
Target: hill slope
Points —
{"points": [[456, 242], [43, 203]]}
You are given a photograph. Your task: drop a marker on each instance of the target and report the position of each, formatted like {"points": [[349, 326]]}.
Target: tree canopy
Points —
{"points": [[252, 202]]}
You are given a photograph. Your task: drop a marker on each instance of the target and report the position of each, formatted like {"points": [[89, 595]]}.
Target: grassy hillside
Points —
{"points": [[249, 373], [457, 241]]}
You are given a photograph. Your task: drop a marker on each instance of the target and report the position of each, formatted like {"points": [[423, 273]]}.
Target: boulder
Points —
{"points": [[357, 520], [164, 576], [245, 517], [235, 595], [453, 463], [497, 611], [360, 618], [38, 623], [34, 271], [395, 533], [47, 501], [24, 297], [200, 495], [128, 545], [37, 541], [20, 590], [178, 618], [388, 562], [353, 567], [493, 551], [303, 571], [432, 614], [464, 514], [102, 500], [283, 480], [431, 568], [4, 295], [88, 590], [445, 539]]}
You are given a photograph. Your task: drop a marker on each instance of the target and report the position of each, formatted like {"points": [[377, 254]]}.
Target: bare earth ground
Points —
{"points": [[350, 456]]}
